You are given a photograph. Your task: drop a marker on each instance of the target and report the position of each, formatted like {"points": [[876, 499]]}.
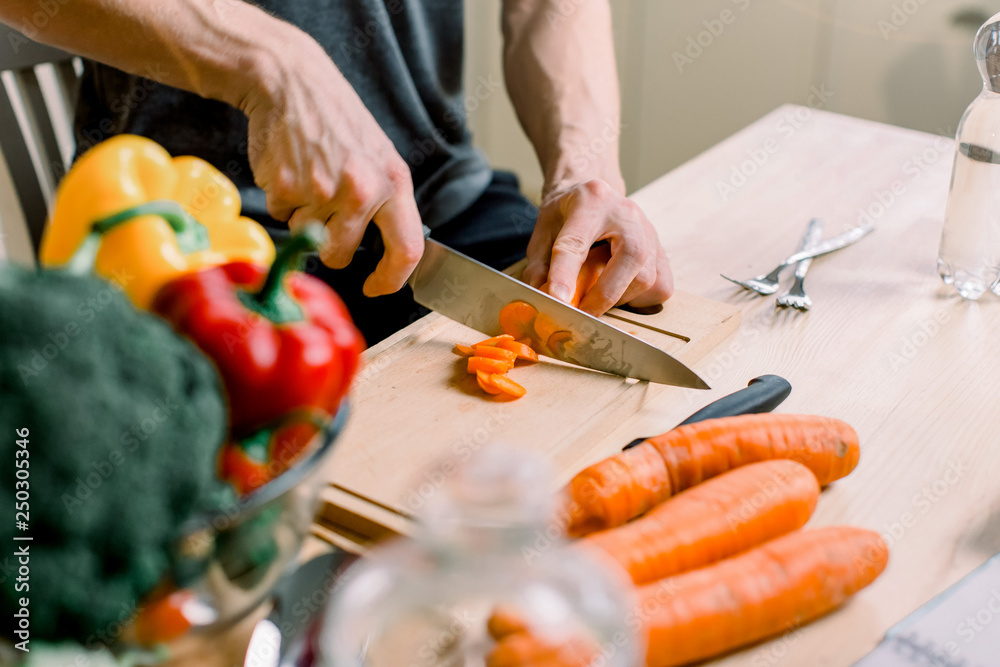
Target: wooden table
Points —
{"points": [[912, 367]]}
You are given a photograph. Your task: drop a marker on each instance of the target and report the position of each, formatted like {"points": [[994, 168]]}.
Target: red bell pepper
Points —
{"points": [[166, 617], [245, 464], [250, 463], [283, 340]]}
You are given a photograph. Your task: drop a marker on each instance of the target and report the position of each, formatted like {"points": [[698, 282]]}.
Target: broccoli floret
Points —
{"points": [[125, 421]]}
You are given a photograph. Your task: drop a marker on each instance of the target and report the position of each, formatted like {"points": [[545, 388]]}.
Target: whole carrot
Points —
{"points": [[627, 484], [597, 260], [724, 516], [770, 589], [611, 492]]}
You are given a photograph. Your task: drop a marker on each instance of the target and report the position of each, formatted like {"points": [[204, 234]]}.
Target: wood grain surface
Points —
{"points": [[415, 406], [886, 347]]}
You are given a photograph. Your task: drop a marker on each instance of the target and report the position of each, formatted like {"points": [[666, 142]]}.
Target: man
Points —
{"points": [[350, 111]]}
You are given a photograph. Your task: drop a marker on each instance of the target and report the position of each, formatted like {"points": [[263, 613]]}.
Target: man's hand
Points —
{"points": [[314, 148], [318, 154], [559, 62], [570, 221]]}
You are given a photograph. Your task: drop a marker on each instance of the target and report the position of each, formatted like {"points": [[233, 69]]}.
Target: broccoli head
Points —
{"points": [[124, 422]]}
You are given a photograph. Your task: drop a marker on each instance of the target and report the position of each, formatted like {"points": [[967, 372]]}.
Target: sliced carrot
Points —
{"points": [[520, 350], [621, 487], [465, 350], [164, 619], [516, 318], [484, 383], [768, 590], [506, 385], [544, 328], [557, 343], [487, 365], [494, 340], [505, 621], [491, 352], [519, 645], [527, 649], [729, 514]]}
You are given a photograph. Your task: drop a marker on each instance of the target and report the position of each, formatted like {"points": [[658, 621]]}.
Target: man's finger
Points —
{"points": [[280, 211], [399, 222], [345, 233], [627, 259], [645, 279], [662, 289], [536, 270], [569, 250]]}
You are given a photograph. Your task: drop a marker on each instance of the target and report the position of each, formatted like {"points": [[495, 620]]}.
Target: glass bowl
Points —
{"points": [[231, 559]]}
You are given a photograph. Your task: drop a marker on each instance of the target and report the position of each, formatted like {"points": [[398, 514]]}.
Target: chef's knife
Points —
{"points": [[762, 394], [472, 293]]}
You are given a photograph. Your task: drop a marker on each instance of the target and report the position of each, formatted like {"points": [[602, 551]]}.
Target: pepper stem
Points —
{"points": [[271, 300], [82, 262], [191, 235]]}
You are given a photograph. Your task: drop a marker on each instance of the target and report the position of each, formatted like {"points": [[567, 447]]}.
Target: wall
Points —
{"points": [[692, 73]]}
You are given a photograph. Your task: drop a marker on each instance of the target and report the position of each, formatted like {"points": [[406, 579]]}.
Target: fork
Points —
{"points": [[796, 296], [768, 284]]}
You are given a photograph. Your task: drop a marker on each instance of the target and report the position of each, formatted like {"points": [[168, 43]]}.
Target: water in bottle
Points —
{"points": [[969, 257]]}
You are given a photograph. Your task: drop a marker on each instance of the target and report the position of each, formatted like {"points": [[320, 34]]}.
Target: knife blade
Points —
{"points": [[469, 292]]}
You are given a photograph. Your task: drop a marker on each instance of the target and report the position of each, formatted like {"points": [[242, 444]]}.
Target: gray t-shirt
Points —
{"points": [[404, 59]]}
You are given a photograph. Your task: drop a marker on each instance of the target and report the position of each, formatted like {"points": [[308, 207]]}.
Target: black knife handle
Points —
{"points": [[762, 394]]}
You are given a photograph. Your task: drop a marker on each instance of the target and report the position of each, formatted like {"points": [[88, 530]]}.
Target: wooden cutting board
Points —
{"points": [[413, 405]]}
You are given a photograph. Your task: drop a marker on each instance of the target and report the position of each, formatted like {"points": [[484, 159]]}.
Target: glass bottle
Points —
{"points": [[486, 543], [969, 257]]}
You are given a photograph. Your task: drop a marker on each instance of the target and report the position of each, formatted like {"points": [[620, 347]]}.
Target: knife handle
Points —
{"points": [[762, 394]]}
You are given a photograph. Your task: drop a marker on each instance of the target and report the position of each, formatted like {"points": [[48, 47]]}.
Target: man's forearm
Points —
{"points": [[559, 64], [219, 49]]}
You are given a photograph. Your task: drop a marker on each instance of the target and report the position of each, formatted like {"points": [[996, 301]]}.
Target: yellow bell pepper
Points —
{"points": [[138, 217]]}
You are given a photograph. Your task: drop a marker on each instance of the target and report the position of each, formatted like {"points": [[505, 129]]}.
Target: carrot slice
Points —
{"points": [[557, 343], [491, 352], [494, 340], [484, 383], [545, 328], [526, 649], [164, 619], [516, 318], [520, 350], [505, 621], [465, 350], [487, 365], [506, 385]]}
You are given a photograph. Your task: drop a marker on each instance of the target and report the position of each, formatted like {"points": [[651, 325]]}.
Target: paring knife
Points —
{"points": [[762, 394], [472, 293]]}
